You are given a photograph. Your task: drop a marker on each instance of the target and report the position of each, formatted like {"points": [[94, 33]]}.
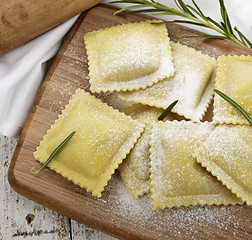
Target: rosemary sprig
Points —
{"points": [[167, 110], [57, 149], [194, 15], [234, 104]]}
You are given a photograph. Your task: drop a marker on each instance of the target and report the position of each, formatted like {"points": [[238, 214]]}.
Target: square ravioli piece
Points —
{"points": [[103, 138], [234, 78], [176, 178], [227, 154], [192, 85], [128, 56], [134, 170]]}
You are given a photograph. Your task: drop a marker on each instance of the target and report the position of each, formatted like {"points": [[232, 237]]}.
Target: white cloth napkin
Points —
{"points": [[22, 70]]}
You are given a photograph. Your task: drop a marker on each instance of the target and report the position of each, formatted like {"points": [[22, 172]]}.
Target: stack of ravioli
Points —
{"points": [[181, 160]]}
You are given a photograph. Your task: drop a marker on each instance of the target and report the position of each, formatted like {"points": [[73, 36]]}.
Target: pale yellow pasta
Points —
{"points": [[192, 85], [103, 138], [112, 99], [176, 178], [227, 154], [134, 170], [128, 56], [146, 113], [234, 78]]}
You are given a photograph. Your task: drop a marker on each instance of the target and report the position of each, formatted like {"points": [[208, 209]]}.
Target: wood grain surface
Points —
{"points": [[23, 20], [116, 212]]}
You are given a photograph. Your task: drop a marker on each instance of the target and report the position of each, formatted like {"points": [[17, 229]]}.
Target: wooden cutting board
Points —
{"points": [[116, 212]]}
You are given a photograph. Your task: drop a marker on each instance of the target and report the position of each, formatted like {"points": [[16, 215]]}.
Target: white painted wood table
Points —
{"points": [[21, 218]]}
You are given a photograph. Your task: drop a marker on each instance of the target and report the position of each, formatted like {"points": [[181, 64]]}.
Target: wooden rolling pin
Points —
{"points": [[23, 20]]}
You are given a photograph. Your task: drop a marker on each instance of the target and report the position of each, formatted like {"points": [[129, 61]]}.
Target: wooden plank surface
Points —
{"points": [[21, 218], [116, 212]]}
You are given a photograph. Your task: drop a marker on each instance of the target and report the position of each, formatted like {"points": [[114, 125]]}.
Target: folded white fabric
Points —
{"points": [[21, 73], [22, 70]]}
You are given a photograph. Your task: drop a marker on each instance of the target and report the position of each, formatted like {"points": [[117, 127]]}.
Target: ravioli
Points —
{"points": [[128, 56], [134, 170], [234, 78], [103, 138], [192, 85], [176, 178], [227, 154]]}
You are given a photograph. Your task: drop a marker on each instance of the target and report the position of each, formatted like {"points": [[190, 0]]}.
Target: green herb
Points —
{"points": [[234, 104], [55, 152], [194, 15], [167, 110]]}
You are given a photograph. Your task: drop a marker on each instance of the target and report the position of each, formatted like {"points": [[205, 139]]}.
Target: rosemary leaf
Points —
{"points": [[197, 12], [206, 36], [243, 37], [128, 8], [197, 7], [179, 21], [178, 5], [185, 8], [138, 11], [234, 104], [215, 23], [225, 17], [55, 152], [167, 110]]}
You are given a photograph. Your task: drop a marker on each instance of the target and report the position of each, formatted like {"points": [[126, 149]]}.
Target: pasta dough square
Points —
{"points": [[192, 85], [103, 138], [227, 154], [134, 170], [113, 100], [176, 178], [128, 56], [234, 78]]}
